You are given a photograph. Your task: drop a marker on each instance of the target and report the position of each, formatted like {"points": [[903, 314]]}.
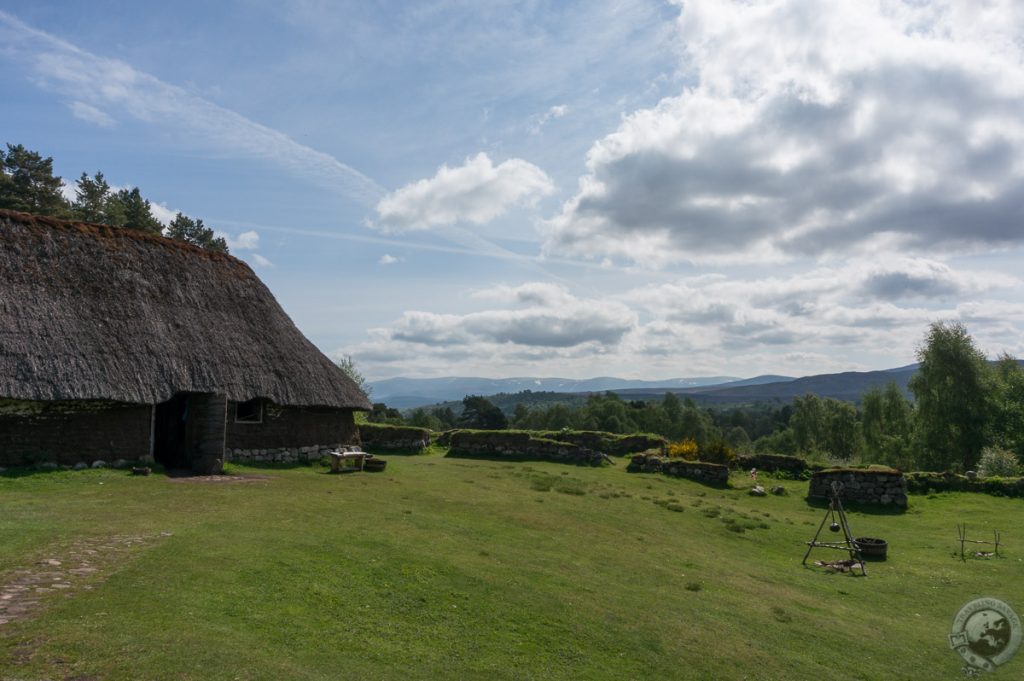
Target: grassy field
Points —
{"points": [[462, 569]]}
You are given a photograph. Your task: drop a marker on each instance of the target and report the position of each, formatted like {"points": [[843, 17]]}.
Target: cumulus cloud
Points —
{"points": [[387, 259], [873, 125], [574, 323], [475, 192], [903, 278], [246, 241], [260, 260], [833, 317], [162, 213]]}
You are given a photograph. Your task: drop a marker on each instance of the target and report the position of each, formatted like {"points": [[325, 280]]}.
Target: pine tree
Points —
{"points": [[27, 183]]}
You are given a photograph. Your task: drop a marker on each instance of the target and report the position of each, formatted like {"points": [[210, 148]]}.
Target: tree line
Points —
{"points": [[965, 412], [27, 184]]}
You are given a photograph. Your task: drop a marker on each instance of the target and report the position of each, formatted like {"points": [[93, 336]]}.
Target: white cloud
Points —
{"points": [[246, 241], [848, 316], [538, 122], [388, 260], [98, 84], [260, 260], [162, 213], [91, 114], [475, 192], [873, 125]]}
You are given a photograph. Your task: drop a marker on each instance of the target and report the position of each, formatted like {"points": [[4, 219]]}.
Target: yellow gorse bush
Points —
{"points": [[684, 449]]}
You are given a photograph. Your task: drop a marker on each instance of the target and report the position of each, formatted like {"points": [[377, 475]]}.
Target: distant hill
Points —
{"points": [[405, 393], [848, 385]]}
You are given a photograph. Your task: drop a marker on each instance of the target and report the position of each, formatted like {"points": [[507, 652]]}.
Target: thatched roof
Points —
{"points": [[96, 312]]}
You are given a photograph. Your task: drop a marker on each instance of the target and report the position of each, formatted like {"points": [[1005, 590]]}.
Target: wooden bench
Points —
{"points": [[339, 458]]}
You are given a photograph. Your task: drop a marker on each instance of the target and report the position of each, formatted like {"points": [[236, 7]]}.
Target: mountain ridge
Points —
{"points": [[406, 393]]}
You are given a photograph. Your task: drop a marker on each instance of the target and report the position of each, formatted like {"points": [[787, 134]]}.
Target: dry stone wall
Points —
{"points": [[383, 437], [708, 473], [925, 483], [519, 446], [863, 486], [286, 454], [790, 466], [609, 443]]}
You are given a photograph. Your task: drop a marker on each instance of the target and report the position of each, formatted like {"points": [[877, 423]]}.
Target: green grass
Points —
{"points": [[464, 569]]}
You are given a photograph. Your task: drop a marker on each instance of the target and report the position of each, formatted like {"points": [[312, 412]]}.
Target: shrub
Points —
{"points": [[684, 449], [996, 461], [718, 452]]}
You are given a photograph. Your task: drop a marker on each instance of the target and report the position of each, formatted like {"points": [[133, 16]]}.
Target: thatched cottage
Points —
{"points": [[115, 344]]}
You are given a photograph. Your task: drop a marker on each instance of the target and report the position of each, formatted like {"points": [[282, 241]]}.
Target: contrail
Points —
{"points": [[111, 87]]}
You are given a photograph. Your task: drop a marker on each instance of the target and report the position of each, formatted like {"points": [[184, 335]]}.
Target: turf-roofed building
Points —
{"points": [[115, 344]]}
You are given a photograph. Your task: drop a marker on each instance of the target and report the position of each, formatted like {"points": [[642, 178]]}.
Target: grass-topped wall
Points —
{"points": [[789, 466], [875, 485], [920, 482], [701, 471], [384, 437], [608, 443], [518, 445]]}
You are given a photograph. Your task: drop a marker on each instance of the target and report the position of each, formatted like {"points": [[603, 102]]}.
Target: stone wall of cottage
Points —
{"points": [[66, 433], [291, 428]]}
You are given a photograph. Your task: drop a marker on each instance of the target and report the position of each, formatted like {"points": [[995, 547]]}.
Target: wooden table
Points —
{"points": [[338, 458]]}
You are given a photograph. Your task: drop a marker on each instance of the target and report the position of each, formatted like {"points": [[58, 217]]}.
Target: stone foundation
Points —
{"points": [[285, 454], [519, 446], [708, 473], [388, 438], [862, 486], [790, 466]]}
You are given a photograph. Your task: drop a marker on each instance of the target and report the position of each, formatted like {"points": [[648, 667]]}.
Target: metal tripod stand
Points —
{"points": [[839, 524]]}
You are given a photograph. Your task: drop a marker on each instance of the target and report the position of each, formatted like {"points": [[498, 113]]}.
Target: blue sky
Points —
{"points": [[634, 188]]}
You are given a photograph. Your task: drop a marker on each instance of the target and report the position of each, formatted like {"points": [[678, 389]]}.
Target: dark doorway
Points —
{"points": [[170, 436]]}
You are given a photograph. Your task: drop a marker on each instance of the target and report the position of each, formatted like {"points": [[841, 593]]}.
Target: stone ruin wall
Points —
{"points": [[885, 488], [520, 446], [376, 437], [708, 473], [285, 454]]}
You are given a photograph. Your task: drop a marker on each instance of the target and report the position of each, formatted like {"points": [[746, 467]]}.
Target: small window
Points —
{"points": [[249, 412]]}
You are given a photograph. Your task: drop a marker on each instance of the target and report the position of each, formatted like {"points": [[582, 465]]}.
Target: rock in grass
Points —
{"points": [[80, 466], [758, 491], [99, 463], [778, 490]]}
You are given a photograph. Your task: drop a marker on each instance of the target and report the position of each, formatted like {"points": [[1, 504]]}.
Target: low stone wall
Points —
{"points": [[285, 454], [920, 482], [863, 486], [518, 446], [384, 437], [609, 443], [708, 473], [791, 466]]}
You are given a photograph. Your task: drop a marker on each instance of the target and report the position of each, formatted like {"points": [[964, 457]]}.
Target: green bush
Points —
{"points": [[996, 461], [717, 452]]}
